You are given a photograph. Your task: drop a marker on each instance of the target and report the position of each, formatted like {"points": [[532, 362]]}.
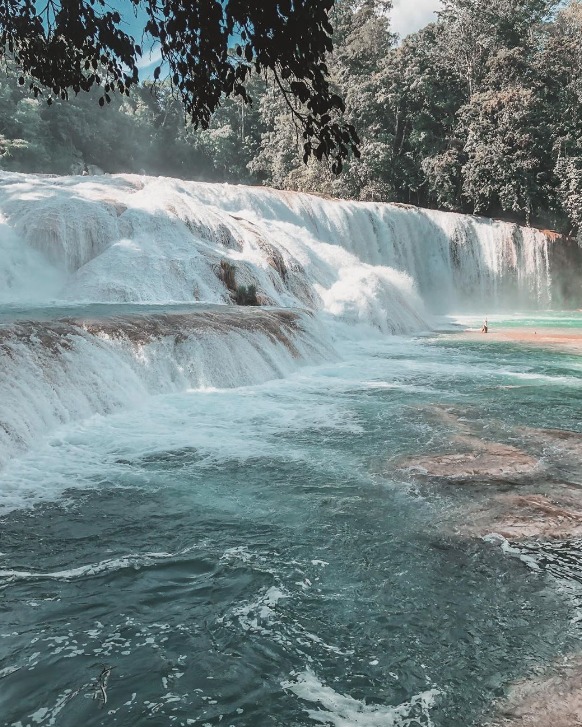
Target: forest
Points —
{"points": [[479, 112]]}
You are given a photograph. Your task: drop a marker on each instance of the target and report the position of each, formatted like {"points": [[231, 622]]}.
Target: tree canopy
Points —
{"points": [[210, 49]]}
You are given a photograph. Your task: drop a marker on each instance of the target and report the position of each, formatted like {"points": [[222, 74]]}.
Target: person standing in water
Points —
{"points": [[485, 327]]}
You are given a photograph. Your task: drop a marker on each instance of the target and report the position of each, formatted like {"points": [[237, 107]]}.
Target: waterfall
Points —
{"points": [[57, 371], [137, 239], [126, 240]]}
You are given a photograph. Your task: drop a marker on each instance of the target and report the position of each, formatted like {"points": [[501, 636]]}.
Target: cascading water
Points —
{"points": [[128, 238], [57, 371], [215, 514]]}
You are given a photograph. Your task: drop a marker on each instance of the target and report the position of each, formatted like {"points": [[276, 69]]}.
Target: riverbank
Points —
{"points": [[557, 338]]}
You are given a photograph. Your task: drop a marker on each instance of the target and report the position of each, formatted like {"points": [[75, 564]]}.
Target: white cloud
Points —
{"points": [[154, 55], [408, 16]]}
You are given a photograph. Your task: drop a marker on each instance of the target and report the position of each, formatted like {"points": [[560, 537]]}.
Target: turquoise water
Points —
{"points": [[254, 556], [539, 319], [102, 311]]}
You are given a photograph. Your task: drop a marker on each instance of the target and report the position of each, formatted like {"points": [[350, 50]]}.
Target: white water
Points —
{"points": [[140, 239], [52, 373], [345, 711], [129, 239]]}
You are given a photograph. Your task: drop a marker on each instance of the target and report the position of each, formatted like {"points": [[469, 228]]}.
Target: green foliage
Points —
{"points": [[362, 43], [569, 193], [504, 149], [480, 112], [486, 106], [80, 45]]}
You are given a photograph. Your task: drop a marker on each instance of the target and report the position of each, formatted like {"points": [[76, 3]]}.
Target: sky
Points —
{"points": [[407, 16]]}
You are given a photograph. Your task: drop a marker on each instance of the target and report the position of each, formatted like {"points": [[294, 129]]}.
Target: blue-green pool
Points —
{"points": [[252, 556]]}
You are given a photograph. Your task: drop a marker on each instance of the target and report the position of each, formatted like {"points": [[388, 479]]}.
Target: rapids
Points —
{"points": [[100, 359], [138, 239], [214, 514]]}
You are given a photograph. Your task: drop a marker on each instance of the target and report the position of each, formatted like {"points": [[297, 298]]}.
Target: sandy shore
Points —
{"points": [[557, 338]]}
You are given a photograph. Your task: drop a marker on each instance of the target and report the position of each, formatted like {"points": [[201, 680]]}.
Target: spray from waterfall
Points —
{"points": [[339, 268]]}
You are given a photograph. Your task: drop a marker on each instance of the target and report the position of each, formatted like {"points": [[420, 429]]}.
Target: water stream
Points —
{"points": [[208, 514]]}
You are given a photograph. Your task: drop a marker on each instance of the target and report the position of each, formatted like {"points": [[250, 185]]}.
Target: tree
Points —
{"points": [[75, 45], [423, 94], [505, 143], [474, 31], [233, 137], [362, 43], [472, 131], [559, 69]]}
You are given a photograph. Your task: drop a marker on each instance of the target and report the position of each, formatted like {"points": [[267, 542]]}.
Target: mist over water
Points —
{"points": [[139, 239], [207, 499]]}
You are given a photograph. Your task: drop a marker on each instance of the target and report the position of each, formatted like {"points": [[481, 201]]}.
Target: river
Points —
{"points": [[253, 555]]}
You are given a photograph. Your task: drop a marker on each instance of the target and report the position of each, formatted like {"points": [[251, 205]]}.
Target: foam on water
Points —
{"points": [[216, 426], [508, 549], [342, 710], [361, 269], [177, 396], [68, 370], [135, 561]]}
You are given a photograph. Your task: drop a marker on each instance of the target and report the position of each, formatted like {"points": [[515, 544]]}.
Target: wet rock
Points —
{"points": [[561, 441], [533, 491], [484, 461], [526, 516], [553, 699]]}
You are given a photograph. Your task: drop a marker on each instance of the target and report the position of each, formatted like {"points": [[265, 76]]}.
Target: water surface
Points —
{"points": [[252, 556]]}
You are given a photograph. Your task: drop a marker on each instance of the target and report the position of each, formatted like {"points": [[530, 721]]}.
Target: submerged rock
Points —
{"points": [[553, 699], [527, 516], [487, 461], [548, 503]]}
